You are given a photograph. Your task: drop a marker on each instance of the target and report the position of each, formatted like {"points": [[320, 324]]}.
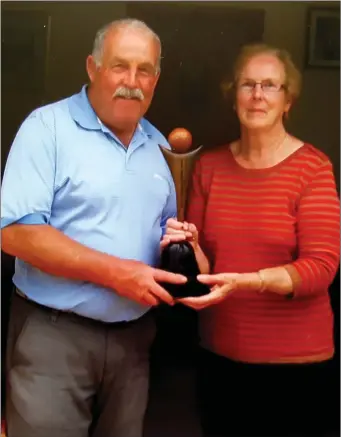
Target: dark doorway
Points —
{"points": [[200, 42]]}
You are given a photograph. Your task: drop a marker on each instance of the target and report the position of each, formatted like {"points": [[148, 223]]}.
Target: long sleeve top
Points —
{"points": [[251, 219]]}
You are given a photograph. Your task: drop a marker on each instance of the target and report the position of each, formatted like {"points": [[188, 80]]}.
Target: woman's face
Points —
{"points": [[261, 99]]}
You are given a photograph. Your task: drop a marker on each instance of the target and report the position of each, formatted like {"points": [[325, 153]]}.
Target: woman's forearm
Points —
{"points": [[202, 260], [275, 279]]}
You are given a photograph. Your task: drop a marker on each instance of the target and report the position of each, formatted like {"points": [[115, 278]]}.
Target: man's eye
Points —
{"points": [[118, 66], [145, 71]]}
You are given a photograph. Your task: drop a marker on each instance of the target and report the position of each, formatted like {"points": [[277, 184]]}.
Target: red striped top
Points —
{"points": [[250, 219]]}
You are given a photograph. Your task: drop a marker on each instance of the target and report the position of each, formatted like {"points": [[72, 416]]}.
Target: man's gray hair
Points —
{"points": [[132, 23]]}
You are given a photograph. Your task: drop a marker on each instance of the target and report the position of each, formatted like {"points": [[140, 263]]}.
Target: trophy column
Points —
{"points": [[180, 161], [179, 257]]}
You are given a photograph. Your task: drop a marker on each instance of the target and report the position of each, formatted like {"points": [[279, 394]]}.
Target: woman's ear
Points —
{"points": [[287, 107]]}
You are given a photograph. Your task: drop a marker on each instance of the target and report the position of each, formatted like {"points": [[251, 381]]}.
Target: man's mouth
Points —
{"points": [[127, 98]]}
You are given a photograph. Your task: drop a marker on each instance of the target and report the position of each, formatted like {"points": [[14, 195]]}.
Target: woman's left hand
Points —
{"points": [[223, 284], [180, 231]]}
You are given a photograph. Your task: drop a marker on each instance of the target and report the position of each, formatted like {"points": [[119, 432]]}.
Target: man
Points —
{"points": [[85, 196]]}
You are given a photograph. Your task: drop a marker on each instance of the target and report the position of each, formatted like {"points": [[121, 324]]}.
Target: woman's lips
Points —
{"points": [[258, 111]]}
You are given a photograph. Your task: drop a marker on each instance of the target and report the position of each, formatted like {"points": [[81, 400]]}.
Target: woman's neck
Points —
{"points": [[255, 145]]}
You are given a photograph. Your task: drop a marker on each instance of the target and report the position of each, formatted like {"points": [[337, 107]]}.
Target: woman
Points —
{"points": [[263, 218]]}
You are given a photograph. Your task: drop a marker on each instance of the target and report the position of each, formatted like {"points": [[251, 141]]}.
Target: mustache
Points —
{"points": [[129, 93]]}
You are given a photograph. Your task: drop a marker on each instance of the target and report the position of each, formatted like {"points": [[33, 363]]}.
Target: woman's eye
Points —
{"points": [[247, 85]]}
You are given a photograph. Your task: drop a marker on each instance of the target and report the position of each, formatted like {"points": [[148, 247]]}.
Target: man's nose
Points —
{"points": [[130, 79]]}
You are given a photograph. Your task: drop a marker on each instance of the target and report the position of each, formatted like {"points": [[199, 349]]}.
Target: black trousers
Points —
{"points": [[252, 400]]}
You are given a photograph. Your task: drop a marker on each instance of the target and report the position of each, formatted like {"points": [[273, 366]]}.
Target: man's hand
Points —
{"points": [[179, 231], [139, 282], [223, 285]]}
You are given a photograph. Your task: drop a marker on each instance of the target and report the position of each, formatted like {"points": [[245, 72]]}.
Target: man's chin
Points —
{"points": [[126, 113], [126, 121]]}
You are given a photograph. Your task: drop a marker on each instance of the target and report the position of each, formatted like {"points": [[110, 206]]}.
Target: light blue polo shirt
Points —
{"points": [[66, 169]]}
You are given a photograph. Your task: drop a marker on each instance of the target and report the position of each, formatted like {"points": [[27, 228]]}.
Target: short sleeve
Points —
{"points": [[170, 209], [28, 182]]}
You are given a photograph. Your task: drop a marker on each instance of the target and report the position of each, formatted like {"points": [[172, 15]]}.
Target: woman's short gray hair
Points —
{"points": [[97, 51]]}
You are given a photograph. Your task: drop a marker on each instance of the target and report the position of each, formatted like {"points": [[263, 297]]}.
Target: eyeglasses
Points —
{"points": [[266, 86]]}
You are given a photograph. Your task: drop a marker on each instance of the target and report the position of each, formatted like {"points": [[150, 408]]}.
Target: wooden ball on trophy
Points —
{"points": [[180, 140]]}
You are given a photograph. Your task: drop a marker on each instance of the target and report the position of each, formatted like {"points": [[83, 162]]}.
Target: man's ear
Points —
{"points": [[91, 67], [156, 80]]}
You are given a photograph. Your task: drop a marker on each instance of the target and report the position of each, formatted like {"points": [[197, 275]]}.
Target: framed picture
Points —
{"points": [[323, 37]]}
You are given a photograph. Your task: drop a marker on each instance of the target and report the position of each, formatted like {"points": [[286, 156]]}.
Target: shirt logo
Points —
{"points": [[157, 176]]}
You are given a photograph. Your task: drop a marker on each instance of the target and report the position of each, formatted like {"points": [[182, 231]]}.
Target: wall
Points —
{"points": [[315, 117], [73, 28]]}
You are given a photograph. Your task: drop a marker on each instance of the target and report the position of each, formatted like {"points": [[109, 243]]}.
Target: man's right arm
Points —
{"points": [[26, 202], [52, 252]]}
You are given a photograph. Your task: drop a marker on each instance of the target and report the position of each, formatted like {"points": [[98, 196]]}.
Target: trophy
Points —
{"points": [[179, 257]]}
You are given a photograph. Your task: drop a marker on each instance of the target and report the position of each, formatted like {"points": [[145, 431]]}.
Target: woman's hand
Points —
{"points": [[179, 231], [183, 231], [223, 284]]}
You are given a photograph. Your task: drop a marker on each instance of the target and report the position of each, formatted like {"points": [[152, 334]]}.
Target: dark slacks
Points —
{"points": [[69, 376], [256, 400]]}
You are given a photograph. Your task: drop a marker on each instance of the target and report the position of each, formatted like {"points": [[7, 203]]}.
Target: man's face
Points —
{"points": [[123, 85]]}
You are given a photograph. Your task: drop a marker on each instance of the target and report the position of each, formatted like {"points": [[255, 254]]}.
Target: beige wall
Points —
{"points": [[316, 117]]}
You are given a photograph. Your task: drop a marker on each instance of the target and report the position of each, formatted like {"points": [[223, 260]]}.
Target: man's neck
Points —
{"points": [[125, 136]]}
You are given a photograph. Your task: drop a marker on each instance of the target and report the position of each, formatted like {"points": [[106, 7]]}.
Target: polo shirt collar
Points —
{"points": [[83, 113]]}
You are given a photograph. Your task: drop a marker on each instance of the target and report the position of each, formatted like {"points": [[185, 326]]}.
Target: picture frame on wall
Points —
{"points": [[323, 37]]}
